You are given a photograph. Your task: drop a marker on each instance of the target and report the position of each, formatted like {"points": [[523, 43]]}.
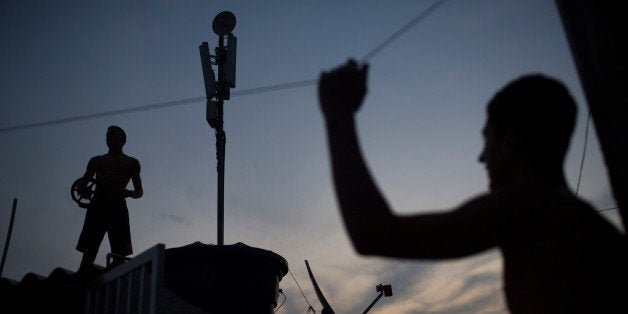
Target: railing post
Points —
{"points": [[151, 261]]}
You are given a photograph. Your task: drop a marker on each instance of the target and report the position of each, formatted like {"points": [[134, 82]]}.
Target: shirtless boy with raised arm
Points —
{"points": [[559, 255]]}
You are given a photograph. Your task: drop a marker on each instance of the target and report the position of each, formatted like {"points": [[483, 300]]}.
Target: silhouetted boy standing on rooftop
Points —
{"points": [[559, 255], [107, 212]]}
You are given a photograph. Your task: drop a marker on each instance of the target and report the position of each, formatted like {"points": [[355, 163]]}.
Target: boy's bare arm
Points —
{"points": [[89, 174], [138, 191], [370, 223]]}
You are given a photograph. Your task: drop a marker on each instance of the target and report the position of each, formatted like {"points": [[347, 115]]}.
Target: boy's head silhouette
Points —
{"points": [[528, 130], [115, 137]]}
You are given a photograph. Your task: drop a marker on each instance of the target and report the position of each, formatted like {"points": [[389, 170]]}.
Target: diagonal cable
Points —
{"points": [[584, 152], [105, 113], [414, 22], [301, 290], [251, 91]]}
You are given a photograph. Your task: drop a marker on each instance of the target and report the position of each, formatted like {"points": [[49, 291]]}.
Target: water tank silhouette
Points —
{"points": [[225, 279]]}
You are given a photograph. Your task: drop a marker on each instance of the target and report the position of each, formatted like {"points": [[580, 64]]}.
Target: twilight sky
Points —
{"points": [[420, 130]]}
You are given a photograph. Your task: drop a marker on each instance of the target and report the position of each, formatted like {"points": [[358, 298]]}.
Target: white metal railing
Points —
{"points": [[132, 287]]}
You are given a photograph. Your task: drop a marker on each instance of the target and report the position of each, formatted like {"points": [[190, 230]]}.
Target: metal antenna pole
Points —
{"points": [[222, 25], [373, 303], [6, 244], [221, 139], [384, 290]]}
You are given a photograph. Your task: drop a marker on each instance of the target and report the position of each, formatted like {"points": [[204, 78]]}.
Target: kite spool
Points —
{"points": [[83, 197]]}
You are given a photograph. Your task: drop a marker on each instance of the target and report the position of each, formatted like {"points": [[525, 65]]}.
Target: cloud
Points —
{"points": [[176, 218], [471, 285]]}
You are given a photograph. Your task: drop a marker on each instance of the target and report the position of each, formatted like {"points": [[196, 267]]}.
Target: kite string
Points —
{"points": [[584, 152], [415, 21], [251, 91], [301, 290], [582, 158]]}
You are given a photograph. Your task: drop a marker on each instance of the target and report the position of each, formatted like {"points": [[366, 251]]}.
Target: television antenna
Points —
{"points": [[217, 91]]}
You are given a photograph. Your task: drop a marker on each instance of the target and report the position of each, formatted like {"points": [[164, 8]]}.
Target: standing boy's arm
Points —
{"points": [[91, 169], [137, 191], [137, 186], [89, 174]]}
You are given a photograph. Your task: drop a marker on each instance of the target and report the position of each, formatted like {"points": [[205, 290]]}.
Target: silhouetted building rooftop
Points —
{"points": [[195, 278]]}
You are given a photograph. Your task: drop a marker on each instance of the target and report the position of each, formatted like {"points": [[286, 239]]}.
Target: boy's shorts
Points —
{"points": [[112, 217]]}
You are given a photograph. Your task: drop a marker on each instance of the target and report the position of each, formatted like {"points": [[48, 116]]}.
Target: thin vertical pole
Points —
{"points": [[6, 244], [129, 293], [88, 302], [116, 308], [220, 154], [220, 90], [156, 277], [107, 304], [221, 139], [97, 301], [141, 299]]}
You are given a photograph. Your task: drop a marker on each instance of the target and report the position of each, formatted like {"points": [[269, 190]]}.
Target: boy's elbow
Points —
{"points": [[364, 250], [138, 194], [366, 245], [367, 238]]}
